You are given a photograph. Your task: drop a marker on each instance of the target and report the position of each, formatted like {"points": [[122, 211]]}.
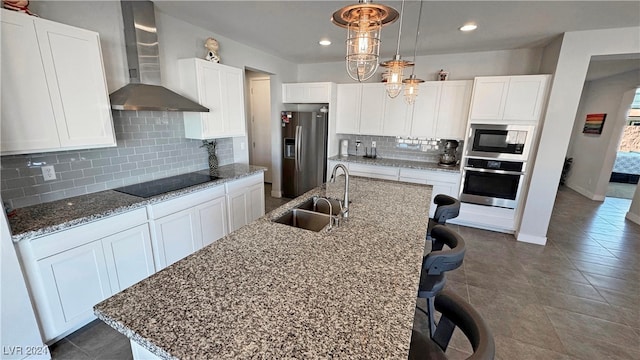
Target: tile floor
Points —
{"points": [[578, 297]]}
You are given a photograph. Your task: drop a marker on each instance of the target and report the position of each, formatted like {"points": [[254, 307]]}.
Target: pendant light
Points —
{"points": [[363, 22], [412, 84], [395, 68]]}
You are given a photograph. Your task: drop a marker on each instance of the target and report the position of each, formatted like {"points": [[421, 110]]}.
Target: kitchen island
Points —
{"points": [[269, 290]]}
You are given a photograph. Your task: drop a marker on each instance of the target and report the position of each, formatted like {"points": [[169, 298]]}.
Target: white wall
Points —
{"points": [[18, 328], [463, 66], [592, 155], [634, 211], [577, 49]]}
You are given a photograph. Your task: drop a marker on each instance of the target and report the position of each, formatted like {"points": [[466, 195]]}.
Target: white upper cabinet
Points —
{"points": [[508, 98], [425, 110], [441, 109], [348, 108], [219, 88], [54, 93], [397, 116], [372, 109], [453, 109], [306, 93]]}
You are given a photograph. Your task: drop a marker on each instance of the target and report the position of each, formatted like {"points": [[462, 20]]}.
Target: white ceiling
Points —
{"points": [[292, 29]]}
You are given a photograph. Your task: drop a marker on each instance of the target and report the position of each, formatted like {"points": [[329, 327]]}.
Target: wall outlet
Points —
{"points": [[49, 172], [373, 144]]}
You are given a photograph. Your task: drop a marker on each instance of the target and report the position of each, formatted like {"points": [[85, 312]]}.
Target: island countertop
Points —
{"points": [[269, 290]]}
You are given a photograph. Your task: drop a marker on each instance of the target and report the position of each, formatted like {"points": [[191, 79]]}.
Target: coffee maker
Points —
{"points": [[448, 158]]}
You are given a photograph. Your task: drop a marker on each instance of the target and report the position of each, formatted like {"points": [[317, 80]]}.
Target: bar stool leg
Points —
{"points": [[431, 315]]}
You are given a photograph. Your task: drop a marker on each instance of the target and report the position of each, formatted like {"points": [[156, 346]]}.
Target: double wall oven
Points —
{"points": [[495, 164]]}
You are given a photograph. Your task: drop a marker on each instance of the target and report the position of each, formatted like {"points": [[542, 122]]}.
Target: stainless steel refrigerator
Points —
{"points": [[304, 155]]}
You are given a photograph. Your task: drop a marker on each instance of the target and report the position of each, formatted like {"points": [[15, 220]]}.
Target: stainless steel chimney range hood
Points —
{"points": [[144, 91]]}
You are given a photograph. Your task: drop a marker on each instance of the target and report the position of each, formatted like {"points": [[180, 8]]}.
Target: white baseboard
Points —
{"points": [[532, 239], [276, 193], [633, 217], [585, 192]]}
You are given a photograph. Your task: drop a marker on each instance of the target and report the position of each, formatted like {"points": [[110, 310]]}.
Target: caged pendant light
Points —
{"points": [[363, 22], [395, 68], [412, 84]]}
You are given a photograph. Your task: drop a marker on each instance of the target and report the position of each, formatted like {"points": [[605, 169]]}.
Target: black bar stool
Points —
{"points": [[447, 207], [436, 263], [455, 312]]}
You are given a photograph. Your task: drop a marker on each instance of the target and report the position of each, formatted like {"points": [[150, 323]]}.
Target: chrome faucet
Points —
{"points": [[332, 219], [345, 203]]}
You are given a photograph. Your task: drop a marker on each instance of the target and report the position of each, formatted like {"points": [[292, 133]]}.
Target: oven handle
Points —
{"points": [[492, 171]]}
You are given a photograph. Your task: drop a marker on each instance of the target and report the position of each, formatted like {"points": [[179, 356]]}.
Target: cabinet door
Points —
{"points": [[293, 93], [372, 109], [238, 204], [73, 64], [525, 97], [129, 257], [178, 235], [233, 102], [425, 110], [74, 281], [213, 220], [397, 117], [256, 197], [453, 109], [209, 84], [348, 108], [488, 99], [27, 113]]}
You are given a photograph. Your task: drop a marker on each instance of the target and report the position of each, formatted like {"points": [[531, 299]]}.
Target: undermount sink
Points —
{"points": [[321, 206], [305, 219]]}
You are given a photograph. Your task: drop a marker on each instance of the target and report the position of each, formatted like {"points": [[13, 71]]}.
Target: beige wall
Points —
{"points": [[570, 72]]}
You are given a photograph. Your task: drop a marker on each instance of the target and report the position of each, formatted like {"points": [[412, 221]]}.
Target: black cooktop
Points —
{"points": [[160, 186]]}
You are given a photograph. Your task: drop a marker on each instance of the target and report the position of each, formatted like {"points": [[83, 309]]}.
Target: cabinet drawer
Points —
{"points": [[165, 208], [241, 184], [74, 237], [428, 177], [372, 171]]}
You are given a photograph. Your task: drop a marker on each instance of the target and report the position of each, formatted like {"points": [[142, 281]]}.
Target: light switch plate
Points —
{"points": [[49, 172]]}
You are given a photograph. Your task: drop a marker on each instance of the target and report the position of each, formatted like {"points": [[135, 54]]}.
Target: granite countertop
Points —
{"points": [[419, 165], [42, 219], [269, 290]]}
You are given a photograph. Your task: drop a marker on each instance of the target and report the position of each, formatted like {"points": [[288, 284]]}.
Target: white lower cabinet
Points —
{"points": [[128, 256], [213, 220], [183, 225], [245, 200], [446, 183], [74, 281], [177, 236], [70, 271]]}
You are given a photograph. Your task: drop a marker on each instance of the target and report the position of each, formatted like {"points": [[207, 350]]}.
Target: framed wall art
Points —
{"points": [[594, 124]]}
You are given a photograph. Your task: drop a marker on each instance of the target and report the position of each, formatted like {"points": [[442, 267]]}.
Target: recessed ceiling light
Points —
{"points": [[324, 42], [468, 27]]}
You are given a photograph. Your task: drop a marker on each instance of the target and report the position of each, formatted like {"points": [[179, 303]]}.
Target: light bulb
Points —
{"points": [[363, 47], [393, 83], [412, 85]]}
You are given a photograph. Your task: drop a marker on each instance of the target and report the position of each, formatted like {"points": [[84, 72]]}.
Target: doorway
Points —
{"points": [[260, 121]]}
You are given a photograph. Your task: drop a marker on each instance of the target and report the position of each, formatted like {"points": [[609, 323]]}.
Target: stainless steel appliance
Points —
{"points": [[508, 142], [492, 182], [304, 155], [449, 158]]}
